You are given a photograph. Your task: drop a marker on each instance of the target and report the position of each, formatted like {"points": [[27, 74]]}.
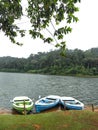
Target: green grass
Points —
{"points": [[59, 120]]}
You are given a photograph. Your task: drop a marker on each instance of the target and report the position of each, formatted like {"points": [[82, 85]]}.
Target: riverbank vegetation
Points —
{"points": [[64, 120], [75, 62]]}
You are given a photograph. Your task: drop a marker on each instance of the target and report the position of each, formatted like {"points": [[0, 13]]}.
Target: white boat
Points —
{"points": [[46, 103], [71, 103], [22, 104]]}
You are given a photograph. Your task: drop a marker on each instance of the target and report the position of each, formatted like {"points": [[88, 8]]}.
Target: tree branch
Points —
{"points": [[52, 35]]}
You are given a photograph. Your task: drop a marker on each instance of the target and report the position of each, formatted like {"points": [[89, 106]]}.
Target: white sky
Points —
{"points": [[84, 34]]}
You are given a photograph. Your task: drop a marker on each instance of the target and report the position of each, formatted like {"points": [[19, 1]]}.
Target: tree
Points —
{"points": [[10, 10], [41, 13]]}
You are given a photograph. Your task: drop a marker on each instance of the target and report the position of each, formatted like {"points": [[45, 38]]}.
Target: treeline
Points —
{"points": [[75, 62]]}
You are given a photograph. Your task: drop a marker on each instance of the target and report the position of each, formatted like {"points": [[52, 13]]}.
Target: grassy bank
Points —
{"points": [[59, 120]]}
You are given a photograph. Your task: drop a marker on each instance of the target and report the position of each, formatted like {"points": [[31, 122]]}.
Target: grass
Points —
{"points": [[59, 120]]}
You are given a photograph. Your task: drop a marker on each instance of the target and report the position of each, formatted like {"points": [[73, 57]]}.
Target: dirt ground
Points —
{"points": [[13, 112], [91, 108], [4, 111]]}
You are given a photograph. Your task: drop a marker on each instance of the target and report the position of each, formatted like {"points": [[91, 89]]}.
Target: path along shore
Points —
{"points": [[13, 112]]}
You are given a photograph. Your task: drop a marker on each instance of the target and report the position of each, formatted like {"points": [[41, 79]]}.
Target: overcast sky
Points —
{"points": [[84, 34]]}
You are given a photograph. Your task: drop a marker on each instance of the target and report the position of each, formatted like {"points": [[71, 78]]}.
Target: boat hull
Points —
{"points": [[73, 107], [23, 109], [22, 104], [46, 103], [71, 103]]}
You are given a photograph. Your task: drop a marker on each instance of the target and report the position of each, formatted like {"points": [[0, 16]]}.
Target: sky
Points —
{"points": [[84, 34]]}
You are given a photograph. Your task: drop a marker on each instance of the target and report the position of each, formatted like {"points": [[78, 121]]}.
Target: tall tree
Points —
{"points": [[41, 13]]}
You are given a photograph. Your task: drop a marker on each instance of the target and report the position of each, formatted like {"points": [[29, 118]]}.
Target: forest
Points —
{"points": [[75, 62]]}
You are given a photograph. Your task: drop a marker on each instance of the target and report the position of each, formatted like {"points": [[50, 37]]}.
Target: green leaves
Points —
{"points": [[22, 33], [60, 13], [63, 30], [9, 11], [48, 40], [42, 14], [36, 34]]}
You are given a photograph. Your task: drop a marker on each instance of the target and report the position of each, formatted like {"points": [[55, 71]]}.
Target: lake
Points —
{"points": [[33, 85]]}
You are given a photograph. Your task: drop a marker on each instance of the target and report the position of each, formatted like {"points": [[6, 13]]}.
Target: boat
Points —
{"points": [[22, 104], [46, 103], [71, 103]]}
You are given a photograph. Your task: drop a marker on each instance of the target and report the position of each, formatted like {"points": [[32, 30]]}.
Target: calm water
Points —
{"points": [[33, 85]]}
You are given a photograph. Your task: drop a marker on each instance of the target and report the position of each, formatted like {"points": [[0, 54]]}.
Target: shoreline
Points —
{"points": [[4, 111]]}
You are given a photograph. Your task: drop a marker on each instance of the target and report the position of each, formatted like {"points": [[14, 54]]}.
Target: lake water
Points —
{"points": [[33, 85]]}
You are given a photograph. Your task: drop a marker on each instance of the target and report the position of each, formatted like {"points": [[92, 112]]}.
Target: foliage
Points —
{"points": [[76, 62], [10, 10], [41, 14]]}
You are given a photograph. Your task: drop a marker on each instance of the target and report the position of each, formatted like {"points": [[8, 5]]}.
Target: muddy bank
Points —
{"points": [[13, 112], [4, 111], [91, 108]]}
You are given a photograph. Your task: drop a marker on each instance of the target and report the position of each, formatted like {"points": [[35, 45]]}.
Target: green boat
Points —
{"points": [[22, 104]]}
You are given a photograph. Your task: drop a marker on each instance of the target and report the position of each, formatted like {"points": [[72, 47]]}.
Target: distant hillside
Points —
{"points": [[75, 62], [93, 52]]}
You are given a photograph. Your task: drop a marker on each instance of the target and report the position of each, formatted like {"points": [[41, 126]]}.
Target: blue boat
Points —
{"points": [[71, 103], [46, 103]]}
